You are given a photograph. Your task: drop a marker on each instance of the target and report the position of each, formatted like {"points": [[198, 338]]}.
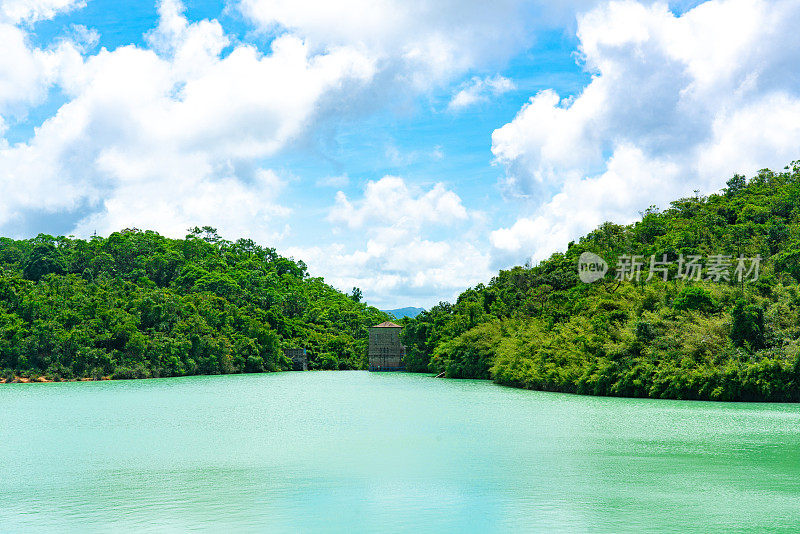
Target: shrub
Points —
{"points": [[748, 326], [695, 298]]}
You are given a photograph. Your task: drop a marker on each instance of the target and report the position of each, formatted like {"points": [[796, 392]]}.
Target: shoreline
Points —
{"points": [[46, 380]]}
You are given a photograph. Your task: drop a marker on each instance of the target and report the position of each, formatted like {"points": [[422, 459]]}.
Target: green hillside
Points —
{"points": [[540, 327], [137, 304]]}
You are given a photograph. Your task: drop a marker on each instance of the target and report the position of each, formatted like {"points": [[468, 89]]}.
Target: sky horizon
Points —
{"points": [[409, 148]]}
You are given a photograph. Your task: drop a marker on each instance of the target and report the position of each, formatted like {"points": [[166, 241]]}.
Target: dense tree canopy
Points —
{"points": [[539, 327], [137, 304]]}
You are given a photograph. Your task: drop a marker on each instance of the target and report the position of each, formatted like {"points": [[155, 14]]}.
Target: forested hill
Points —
{"points": [[137, 304], [540, 327]]}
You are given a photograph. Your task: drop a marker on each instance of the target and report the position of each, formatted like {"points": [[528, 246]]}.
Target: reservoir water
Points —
{"points": [[361, 452]]}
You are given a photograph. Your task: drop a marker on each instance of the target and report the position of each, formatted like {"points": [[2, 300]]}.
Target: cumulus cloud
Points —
{"points": [[26, 73], [394, 250], [676, 103], [416, 41], [400, 273], [630, 183], [234, 205], [191, 111], [178, 127], [391, 200], [480, 90]]}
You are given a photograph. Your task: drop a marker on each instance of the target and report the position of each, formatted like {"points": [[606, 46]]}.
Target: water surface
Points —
{"points": [[355, 451]]}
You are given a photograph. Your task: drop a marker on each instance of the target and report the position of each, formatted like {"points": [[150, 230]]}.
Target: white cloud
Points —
{"points": [[480, 90], [26, 73], [406, 245], [400, 272], [234, 208], [675, 104], [392, 201], [179, 127], [416, 41], [630, 183], [17, 11]]}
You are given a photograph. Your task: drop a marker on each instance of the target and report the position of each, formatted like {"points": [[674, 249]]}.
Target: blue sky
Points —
{"points": [[408, 148]]}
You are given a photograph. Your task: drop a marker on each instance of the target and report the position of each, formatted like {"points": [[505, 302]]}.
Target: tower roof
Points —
{"points": [[387, 324]]}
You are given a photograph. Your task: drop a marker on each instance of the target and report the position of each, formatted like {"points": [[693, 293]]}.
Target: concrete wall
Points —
{"points": [[385, 350], [299, 359]]}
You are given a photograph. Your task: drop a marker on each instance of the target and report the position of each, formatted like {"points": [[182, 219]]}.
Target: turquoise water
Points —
{"points": [[354, 451]]}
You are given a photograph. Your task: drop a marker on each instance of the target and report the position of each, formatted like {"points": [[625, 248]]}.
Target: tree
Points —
{"points": [[356, 295], [695, 298], [747, 329], [735, 185], [44, 259], [788, 261]]}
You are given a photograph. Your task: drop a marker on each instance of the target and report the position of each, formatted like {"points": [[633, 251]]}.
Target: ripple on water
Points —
{"points": [[345, 451]]}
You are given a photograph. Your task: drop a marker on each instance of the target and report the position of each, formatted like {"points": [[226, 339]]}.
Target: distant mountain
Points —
{"points": [[405, 312]]}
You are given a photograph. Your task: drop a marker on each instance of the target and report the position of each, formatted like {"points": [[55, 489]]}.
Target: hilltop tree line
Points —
{"points": [[137, 304], [539, 327]]}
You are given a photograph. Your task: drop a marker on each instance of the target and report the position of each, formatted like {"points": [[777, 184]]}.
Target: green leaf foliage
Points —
{"points": [[539, 327], [140, 305]]}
